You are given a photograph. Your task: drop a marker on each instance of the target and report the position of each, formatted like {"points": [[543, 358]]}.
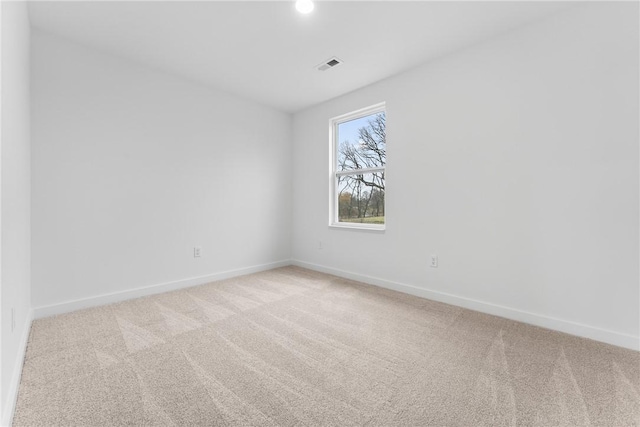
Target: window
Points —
{"points": [[358, 159]]}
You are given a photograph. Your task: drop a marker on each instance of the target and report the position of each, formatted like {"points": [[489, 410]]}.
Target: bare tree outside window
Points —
{"points": [[360, 169]]}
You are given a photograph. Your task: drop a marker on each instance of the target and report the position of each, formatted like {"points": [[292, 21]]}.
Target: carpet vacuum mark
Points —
{"points": [[292, 347]]}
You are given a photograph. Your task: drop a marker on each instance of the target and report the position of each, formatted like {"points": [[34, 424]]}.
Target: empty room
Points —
{"points": [[202, 223]]}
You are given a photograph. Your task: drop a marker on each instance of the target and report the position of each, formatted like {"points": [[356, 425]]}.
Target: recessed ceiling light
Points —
{"points": [[304, 6]]}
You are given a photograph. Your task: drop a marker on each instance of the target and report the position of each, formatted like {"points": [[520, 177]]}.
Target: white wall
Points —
{"points": [[15, 262], [134, 167], [516, 162]]}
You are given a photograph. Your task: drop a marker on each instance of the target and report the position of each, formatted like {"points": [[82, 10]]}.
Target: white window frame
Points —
{"points": [[334, 173]]}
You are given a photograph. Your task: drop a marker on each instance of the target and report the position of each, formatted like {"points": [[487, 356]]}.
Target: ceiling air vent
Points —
{"points": [[329, 63]]}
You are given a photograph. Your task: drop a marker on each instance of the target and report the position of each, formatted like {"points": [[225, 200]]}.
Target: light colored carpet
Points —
{"points": [[294, 347]]}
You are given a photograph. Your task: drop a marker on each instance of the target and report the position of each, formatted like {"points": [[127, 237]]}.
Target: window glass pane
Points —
{"points": [[361, 143], [361, 198]]}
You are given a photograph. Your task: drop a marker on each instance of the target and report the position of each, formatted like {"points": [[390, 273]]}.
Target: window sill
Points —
{"points": [[356, 226]]}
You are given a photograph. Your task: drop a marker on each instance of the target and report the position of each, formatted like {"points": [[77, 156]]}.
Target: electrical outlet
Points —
{"points": [[197, 252], [13, 319], [319, 244], [434, 261]]}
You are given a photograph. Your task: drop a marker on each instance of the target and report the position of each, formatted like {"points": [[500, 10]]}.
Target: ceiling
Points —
{"points": [[268, 52]]}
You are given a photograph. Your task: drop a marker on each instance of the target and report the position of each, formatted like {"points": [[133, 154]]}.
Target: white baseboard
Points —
{"points": [[569, 327], [566, 326], [79, 304], [14, 385]]}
